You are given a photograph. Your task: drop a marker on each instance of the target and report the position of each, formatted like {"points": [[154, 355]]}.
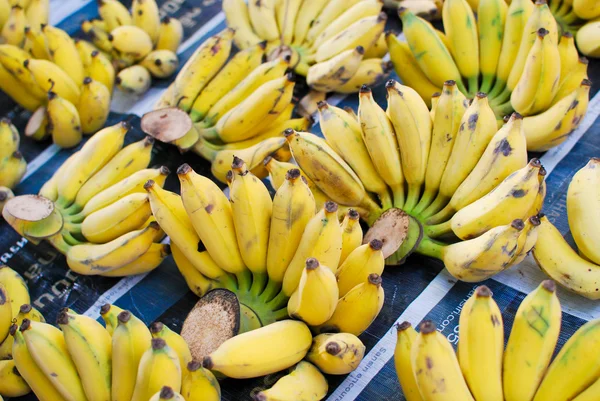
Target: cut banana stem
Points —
{"points": [[33, 216]]}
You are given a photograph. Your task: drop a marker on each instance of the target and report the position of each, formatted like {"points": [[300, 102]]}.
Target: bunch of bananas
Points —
{"points": [[94, 208], [482, 369], [238, 105], [337, 45], [14, 308], [513, 53], [579, 273], [427, 9], [450, 169], [580, 18], [139, 44], [15, 15], [12, 162]]}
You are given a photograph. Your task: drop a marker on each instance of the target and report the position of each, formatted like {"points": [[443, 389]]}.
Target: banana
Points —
{"points": [[13, 168], [13, 60], [553, 126], [540, 78], [237, 15], [461, 30], [262, 18], [322, 240], [40, 384], [149, 261], [5, 195], [93, 106], [259, 352], [94, 154], [13, 31], [211, 216], [199, 384], [316, 297], [126, 164], [170, 34], [587, 38], [90, 346], [128, 185], [48, 349], [49, 190], [13, 87], [51, 77], [37, 125], [123, 216], [259, 76], [337, 125], [307, 15], [285, 13], [352, 235], [202, 66], [63, 121], [572, 81], [586, 9], [237, 69], [433, 360], [336, 354], [101, 69], [12, 383], [130, 340], [527, 239], [370, 72], [159, 366], [167, 393], [5, 6], [380, 140], [6, 315], [16, 288], [582, 193], [481, 345], [449, 112], [572, 358], [590, 393], [256, 112], [365, 260], [402, 361], [36, 43], [410, 117], [145, 15], [161, 63], [328, 15], [169, 211], [434, 58], [327, 75], [173, 340], [130, 43], [407, 68], [109, 314], [196, 281], [491, 18], [98, 36], [114, 14], [304, 383], [511, 199], [278, 173], [135, 80], [568, 54], [63, 52], [357, 309]]}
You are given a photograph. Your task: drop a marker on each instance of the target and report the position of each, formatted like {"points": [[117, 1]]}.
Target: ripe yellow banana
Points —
{"points": [[109, 314], [13, 31], [363, 261], [325, 19], [93, 106], [13, 60], [97, 35], [199, 384], [90, 346], [135, 80], [527, 239], [51, 77], [572, 81], [114, 14], [403, 363], [262, 17], [5, 313], [285, 13], [48, 349], [63, 121], [15, 286], [12, 383], [173, 340], [352, 235], [101, 69], [491, 18], [37, 12], [36, 44], [568, 54], [587, 39], [211, 216], [166, 393], [14, 88], [161, 63], [5, 195], [481, 345], [13, 168], [316, 297], [170, 34], [49, 189], [196, 281], [336, 354], [130, 340], [357, 309], [64, 53], [149, 261], [304, 383], [327, 75], [25, 312], [370, 72], [572, 371], [433, 362], [307, 15], [237, 15], [159, 366], [590, 393], [146, 16]]}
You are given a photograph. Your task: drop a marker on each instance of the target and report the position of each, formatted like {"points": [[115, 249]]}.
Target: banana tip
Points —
{"points": [[376, 244], [483, 291], [390, 84], [403, 326], [158, 344], [365, 89], [267, 161], [535, 220], [63, 318], [322, 104], [333, 348], [148, 185], [450, 82], [237, 163], [549, 285], [193, 366], [184, 169], [164, 170], [87, 80], [375, 279], [517, 224], [331, 207], [481, 95], [167, 393], [353, 214], [13, 329], [104, 309], [542, 32], [288, 133], [427, 327], [292, 174], [312, 264], [207, 363], [5, 120], [156, 327], [124, 316], [25, 325]]}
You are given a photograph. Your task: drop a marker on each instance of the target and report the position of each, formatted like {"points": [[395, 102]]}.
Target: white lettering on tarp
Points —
{"points": [[188, 19], [453, 335], [170, 7], [6, 256]]}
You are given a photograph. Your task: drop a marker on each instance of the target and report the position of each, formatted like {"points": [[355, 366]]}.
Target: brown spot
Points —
{"points": [[429, 363], [209, 208]]}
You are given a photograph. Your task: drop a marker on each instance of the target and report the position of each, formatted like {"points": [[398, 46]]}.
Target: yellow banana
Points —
{"points": [[14, 88], [352, 235], [93, 106], [370, 72], [15, 287], [327, 75], [262, 17], [196, 281], [365, 260], [64, 53], [326, 17], [90, 346], [6, 315], [5, 195], [586, 9], [159, 366], [170, 34], [4, 11], [285, 13], [13, 31], [13, 60], [51, 77], [316, 297], [568, 54], [36, 43], [101, 69], [130, 340], [114, 14], [402, 361], [129, 44], [307, 15], [161, 63], [98, 36], [166, 393], [304, 383], [49, 190], [587, 39], [109, 314], [13, 168], [12, 383], [237, 15], [26, 312], [527, 239], [173, 340], [572, 81], [259, 352], [149, 261], [199, 384], [531, 342], [433, 360], [37, 12], [336, 354], [145, 15], [135, 80], [491, 18], [63, 121]]}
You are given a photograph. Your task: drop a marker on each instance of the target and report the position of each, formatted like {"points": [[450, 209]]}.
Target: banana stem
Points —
{"points": [[281, 314], [226, 281], [272, 289], [385, 199], [259, 281], [372, 208], [438, 229], [58, 242], [201, 147], [425, 201], [73, 228], [244, 280], [499, 86], [414, 191], [73, 209], [473, 85], [560, 11], [69, 239], [443, 215], [503, 109], [278, 302], [461, 87], [437, 205], [431, 248], [569, 18], [399, 197], [486, 84], [62, 203], [502, 97], [209, 133]]}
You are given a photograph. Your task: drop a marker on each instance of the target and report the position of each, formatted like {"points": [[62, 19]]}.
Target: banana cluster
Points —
{"points": [[12, 163], [16, 15], [14, 308], [578, 272], [138, 43], [337, 45], [513, 53], [580, 17], [483, 369], [94, 208]]}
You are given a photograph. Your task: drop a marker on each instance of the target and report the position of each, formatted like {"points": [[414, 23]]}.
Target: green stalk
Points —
{"points": [[437, 205], [399, 197], [502, 97], [228, 282], [270, 291], [486, 84], [58, 242], [281, 314], [473, 86], [499, 86], [425, 201], [443, 215], [258, 283], [439, 229], [70, 239], [278, 302], [386, 200], [503, 109], [414, 191], [431, 248], [244, 280]]}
